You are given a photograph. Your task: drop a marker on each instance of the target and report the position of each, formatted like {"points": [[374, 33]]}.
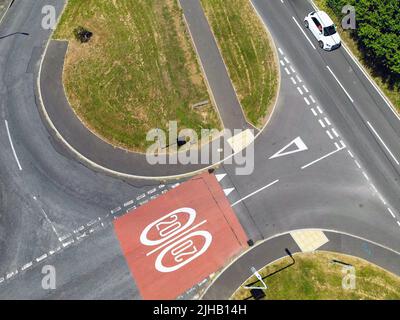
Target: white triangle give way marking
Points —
{"points": [[228, 191], [220, 176], [300, 146]]}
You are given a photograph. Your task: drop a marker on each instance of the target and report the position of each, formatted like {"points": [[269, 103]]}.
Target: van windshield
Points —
{"points": [[328, 31]]}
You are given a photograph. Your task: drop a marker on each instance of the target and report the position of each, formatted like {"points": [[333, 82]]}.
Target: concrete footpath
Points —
{"points": [[275, 248], [213, 65]]}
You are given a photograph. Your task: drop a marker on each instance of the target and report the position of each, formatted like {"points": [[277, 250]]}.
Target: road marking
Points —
{"points": [[398, 222], [220, 176], [337, 145], [255, 192], [365, 175], [294, 81], [228, 191], [319, 110], [380, 197], [335, 133], [300, 146], [51, 223], [287, 70], [115, 210], [298, 78], [337, 80], [282, 63], [312, 98], [286, 60], [26, 266], [357, 164], [313, 111], [305, 88], [342, 143], [299, 90], [349, 152], [391, 212], [306, 100], [301, 29], [280, 51], [380, 139], [373, 187], [12, 146], [329, 134], [322, 158], [321, 123], [291, 68], [42, 257], [327, 121], [128, 203]]}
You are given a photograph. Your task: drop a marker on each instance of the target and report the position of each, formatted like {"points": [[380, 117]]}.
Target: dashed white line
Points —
{"points": [[365, 175], [42, 257], [287, 71], [329, 134], [128, 203], [301, 29], [305, 88], [286, 60], [321, 123], [312, 99], [299, 90], [298, 78], [292, 69], [294, 81], [327, 121], [335, 133], [319, 110], [380, 197], [280, 51], [351, 155], [282, 63], [12, 146], [357, 164], [391, 212], [398, 222], [337, 145], [384, 144], [337, 80], [342, 143], [306, 100], [313, 111], [373, 187]]}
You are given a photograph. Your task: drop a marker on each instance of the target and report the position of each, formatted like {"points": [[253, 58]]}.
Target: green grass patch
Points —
{"points": [[313, 276], [248, 54], [392, 91], [138, 72]]}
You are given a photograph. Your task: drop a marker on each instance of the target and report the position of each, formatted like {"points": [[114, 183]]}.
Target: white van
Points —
{"points": [[323, 29]]}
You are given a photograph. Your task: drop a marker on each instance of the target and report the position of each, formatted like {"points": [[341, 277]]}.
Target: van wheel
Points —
{"points": [[321, 44], [306, 24]]}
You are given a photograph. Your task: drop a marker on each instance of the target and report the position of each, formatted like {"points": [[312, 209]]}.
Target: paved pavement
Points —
{"points": [[275, 248]]}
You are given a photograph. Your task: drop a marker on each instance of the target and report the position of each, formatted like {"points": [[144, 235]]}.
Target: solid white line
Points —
{"points": [[323, 157], [255, 192], [380, 139], [294, 81], [313, 111], [391, 212], [351, 155], [12, 146], [321, 123], [329, 134], [301, 29], [298, 89], [335, 133], [306, 100], [337, 80]]}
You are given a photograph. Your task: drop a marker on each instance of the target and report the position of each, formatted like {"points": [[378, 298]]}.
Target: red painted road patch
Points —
{"points": [[178, 239]]}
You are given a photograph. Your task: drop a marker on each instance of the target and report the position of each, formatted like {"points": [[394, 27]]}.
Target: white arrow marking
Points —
{"points": [[301, 146], [228, 191], [220, 176]]}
